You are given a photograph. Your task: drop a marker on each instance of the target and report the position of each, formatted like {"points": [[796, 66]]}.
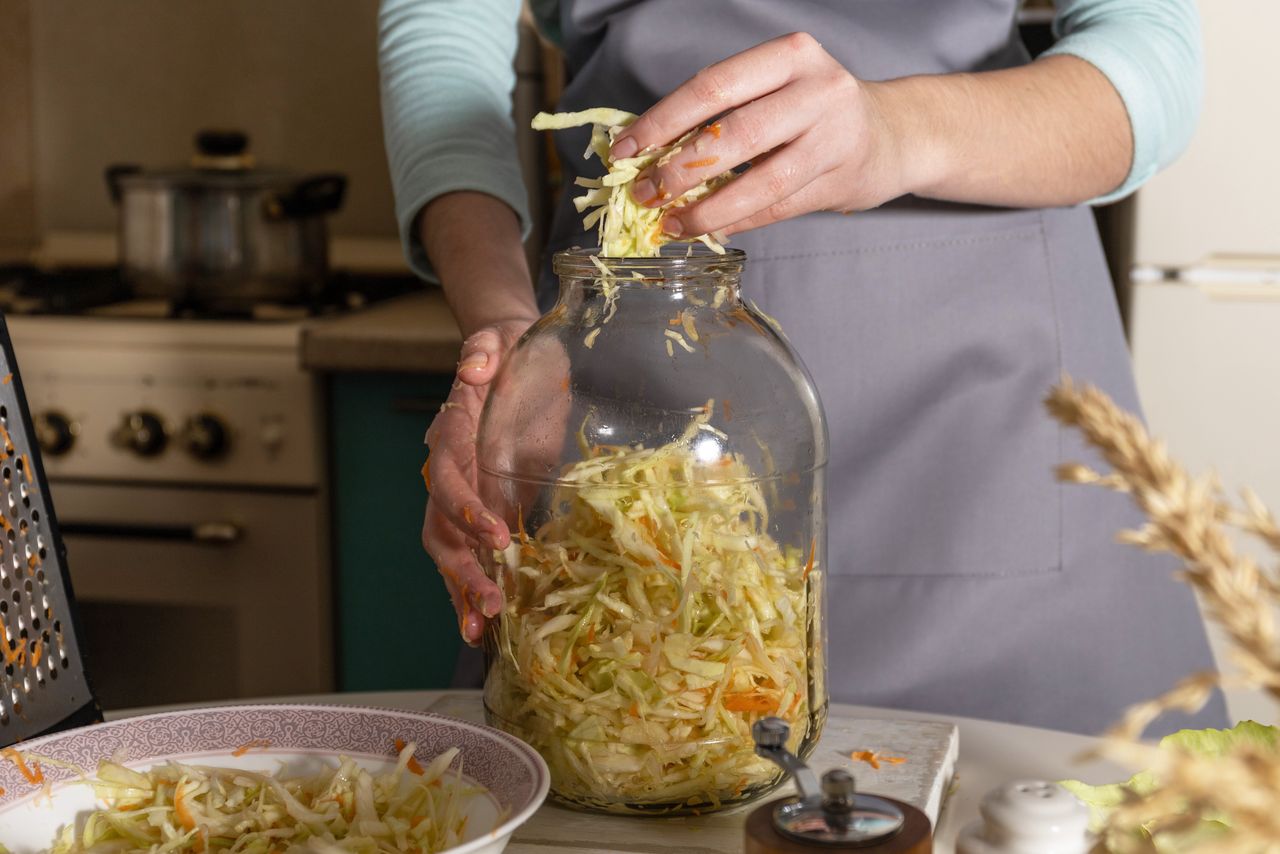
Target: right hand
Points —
{"points": [[457, 523]]}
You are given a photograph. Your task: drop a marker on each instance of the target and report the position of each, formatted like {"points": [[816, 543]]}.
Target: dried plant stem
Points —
{"points": [[1188, 517]]}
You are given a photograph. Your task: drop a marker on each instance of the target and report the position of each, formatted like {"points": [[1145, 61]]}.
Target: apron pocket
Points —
{"points": [[932, 358]]}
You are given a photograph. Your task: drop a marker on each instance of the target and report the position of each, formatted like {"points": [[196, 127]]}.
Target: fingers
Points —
{"points": [[480, 356], [475, 597], [742, 135], [808, 199], [743, 77], [773, 184], [452, 476]]}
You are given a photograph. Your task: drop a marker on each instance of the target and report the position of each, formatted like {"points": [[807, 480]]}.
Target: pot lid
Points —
{"points": [[221, 160]]}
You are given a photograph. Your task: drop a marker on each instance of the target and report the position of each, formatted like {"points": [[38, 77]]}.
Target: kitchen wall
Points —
{"points": [[133, 80], [1205, 359], [1223, 195], [17, 191]]}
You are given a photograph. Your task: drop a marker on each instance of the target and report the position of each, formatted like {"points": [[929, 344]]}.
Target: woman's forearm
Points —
{"points": [[473, 241], [1054, 132]]}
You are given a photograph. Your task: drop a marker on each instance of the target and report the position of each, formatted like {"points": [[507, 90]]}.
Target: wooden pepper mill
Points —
{"points": [[832, 816]]}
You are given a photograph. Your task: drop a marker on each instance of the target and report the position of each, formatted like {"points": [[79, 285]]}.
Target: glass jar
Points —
{"points": [[659, 452]]}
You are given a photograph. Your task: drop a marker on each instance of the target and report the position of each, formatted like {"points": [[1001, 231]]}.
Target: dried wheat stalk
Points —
{"points": [[1189, 517]]}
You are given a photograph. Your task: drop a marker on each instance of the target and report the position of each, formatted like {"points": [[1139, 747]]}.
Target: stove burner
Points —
{"points": [[100, 291], [28, 290]]}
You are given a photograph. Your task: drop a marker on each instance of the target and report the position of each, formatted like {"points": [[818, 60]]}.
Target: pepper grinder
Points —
{"points": [[831, 816]]}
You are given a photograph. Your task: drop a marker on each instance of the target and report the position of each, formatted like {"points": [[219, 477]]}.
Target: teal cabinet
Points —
{"points": [[396, 627]]}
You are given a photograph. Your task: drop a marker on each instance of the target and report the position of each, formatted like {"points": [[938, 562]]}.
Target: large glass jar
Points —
{"points": [[659, 451]]}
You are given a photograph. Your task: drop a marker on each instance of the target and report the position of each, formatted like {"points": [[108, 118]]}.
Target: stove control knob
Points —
{"points": [[55, 433], [206, 437], [141, 432]]}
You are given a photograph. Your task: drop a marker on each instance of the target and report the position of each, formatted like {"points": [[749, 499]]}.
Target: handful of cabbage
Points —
{"points": [[648, 624], [627, 228]]}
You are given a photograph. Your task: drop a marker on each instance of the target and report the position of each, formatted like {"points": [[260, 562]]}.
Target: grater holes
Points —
{"points": [[35, 515]]}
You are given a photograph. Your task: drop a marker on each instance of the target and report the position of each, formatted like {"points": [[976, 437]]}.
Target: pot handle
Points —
{"points": [[114, 173], [321, 194]]}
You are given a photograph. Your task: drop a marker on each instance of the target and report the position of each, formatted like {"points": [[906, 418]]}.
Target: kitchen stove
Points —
{"points": [[186, 459]]}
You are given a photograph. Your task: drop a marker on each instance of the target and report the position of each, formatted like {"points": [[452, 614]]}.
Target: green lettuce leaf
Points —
{"points": [[1205, 742]]}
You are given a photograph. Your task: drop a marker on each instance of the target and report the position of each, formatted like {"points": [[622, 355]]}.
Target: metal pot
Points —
{"points": [[221, 235]]}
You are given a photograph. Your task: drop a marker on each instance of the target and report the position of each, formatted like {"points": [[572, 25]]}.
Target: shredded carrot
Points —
{"points": [[564, 384], [874, 759], [32, 563], [26, 468], [728, 409], [466, 611], [8, 442], [417, 820], [749, 701], [180, 808], [260, 743], [698, 164], [412, 765], [15, 656], [32, 775], [466, 514], [635, 709], [36, 653], [4, 522], [714, 129], [808, 567], [426, 471]]}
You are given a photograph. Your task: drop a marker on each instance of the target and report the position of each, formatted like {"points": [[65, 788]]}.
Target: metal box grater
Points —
{"points": [[43, 686]]}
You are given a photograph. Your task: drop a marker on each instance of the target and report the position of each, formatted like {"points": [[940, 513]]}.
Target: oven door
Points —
{"points": [[192, 594]]}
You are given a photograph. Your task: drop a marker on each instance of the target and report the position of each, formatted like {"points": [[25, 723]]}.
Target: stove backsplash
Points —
{"points": [[132, 82]]}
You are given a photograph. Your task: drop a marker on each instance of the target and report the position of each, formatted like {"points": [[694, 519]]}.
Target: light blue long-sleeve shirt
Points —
{"points": [[447, 80]]}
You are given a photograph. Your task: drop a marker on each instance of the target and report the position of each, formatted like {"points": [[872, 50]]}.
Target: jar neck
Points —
{"points": [[700, 272]]}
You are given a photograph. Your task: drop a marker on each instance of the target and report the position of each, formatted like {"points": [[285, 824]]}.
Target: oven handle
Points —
{"points": [[206, 533]]}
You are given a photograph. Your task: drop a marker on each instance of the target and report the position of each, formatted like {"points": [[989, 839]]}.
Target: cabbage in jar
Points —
{"points": [[663, 589]]}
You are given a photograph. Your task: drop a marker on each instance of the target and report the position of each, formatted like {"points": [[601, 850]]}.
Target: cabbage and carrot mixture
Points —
{"points": [[629, 229], [649, 623], [179, 808]]}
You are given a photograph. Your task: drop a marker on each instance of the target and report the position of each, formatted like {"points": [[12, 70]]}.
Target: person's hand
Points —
{"points": [[815, 135], [456, 521]]}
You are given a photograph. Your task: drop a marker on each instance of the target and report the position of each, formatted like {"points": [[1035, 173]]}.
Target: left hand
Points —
{"points": [[816, 136]]}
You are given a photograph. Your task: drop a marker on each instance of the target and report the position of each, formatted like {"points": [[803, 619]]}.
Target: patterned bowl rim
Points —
{"points": [[542, 775]]}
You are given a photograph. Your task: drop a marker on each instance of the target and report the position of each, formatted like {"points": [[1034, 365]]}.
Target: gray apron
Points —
{"points": [[963, 579]]}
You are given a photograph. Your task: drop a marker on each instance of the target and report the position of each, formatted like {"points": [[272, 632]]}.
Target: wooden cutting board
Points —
{"points": [[923, 780]]}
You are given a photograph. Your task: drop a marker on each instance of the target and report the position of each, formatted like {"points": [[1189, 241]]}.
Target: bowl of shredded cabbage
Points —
{"points": [[269, 779]]}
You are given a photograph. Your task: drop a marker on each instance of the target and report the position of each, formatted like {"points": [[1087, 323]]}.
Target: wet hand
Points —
{"points": [[816, 138], [457, 523]]}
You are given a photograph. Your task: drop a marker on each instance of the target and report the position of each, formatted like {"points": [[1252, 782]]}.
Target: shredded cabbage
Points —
{"points": [[628, 229], [177, 807], [648, 624]]}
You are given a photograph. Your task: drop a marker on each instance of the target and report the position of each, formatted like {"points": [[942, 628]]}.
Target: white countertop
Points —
{"points": [[991, 754]]}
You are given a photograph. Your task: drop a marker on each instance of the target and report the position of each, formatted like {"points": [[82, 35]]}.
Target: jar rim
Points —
{"points": [[678, 261]]}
